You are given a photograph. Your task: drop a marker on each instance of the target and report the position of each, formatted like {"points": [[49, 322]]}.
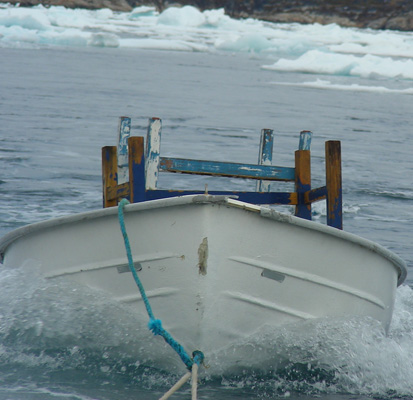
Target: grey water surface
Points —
{"points": [[59, 106]]}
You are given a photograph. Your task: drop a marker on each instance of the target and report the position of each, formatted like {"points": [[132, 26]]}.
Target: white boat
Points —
{"points": [[215, 269]]}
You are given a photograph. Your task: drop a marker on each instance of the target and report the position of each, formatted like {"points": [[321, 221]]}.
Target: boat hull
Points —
{"points": [[214, 269]]}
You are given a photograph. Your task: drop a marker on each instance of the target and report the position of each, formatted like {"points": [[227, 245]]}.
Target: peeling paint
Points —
{"points": [[203, 256]]}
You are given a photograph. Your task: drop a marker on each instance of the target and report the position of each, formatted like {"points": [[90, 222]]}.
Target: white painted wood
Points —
{"points": [[262, 267], [124, 129], [153, 150], [265, 157], [305, 140]]}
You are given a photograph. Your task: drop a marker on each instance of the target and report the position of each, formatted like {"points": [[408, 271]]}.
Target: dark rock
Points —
{"points": [[115, 5]]}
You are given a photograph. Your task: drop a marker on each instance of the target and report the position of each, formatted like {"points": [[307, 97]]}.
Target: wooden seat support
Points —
{"points": [[137, 178]]}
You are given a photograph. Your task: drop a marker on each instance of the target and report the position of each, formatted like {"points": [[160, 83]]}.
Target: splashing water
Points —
{"points": [[55, 328]]}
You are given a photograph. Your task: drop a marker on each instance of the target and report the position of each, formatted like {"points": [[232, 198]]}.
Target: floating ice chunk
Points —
{"points": [[253, 42], [184, 16], [143, 11], [27, 19], [69, 37], [320, 62], [17, 34], [216, 18], [103, 40]]}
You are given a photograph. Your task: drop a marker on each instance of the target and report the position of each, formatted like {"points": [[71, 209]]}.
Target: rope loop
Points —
{"points": [[198, 357]]}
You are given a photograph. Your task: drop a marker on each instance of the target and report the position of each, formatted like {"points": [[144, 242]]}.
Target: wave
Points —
{"points": [[401, 194], [354, 87]]}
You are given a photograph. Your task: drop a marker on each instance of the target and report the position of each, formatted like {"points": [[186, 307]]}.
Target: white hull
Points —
{"points": [[214, 269]]}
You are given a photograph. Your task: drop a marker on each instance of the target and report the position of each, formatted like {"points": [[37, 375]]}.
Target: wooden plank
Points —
{"points": [[305, 140], [333, 183], [109, 174], [265, 156], [286, 198], [152, 155], [302, 182], [137, 169], [124, 128], [119, 192], [314, 195], [218, 168]]}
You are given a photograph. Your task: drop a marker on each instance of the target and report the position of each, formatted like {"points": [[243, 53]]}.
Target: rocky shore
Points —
{"points": [[375, 14]]}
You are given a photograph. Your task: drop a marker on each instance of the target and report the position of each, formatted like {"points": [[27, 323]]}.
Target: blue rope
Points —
{"points": [[155, 325]]}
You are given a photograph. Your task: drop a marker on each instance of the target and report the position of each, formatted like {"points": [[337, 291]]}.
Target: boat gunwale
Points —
{"points": [[265, 212]]}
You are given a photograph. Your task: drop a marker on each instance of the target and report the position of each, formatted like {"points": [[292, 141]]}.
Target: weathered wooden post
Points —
{"points": [[136, 169], [333, 183], [153, 150], [265, 156], [305, 140], [302, 182], [109, 174], [122, 153], [303, 174]]}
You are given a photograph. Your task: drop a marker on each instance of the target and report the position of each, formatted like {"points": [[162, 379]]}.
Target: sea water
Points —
{"points": [[65, 78]]}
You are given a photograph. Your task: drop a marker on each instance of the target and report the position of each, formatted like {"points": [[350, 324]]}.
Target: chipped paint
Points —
{"points": [[305, 140], [124, 130], [219, 168], [265, 156], [203, 256], [153, 148]]}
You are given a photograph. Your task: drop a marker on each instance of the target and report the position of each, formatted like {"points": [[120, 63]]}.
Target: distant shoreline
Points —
{"points": [[374, 14]]}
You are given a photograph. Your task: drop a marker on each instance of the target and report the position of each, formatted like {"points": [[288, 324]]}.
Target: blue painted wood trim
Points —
{"points": [[305, 140], [285, 198], [265, 156], [217, 168]]}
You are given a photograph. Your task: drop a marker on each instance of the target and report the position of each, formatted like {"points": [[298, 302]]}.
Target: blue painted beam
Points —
{"points": [[316, 194], [217, 168]]}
